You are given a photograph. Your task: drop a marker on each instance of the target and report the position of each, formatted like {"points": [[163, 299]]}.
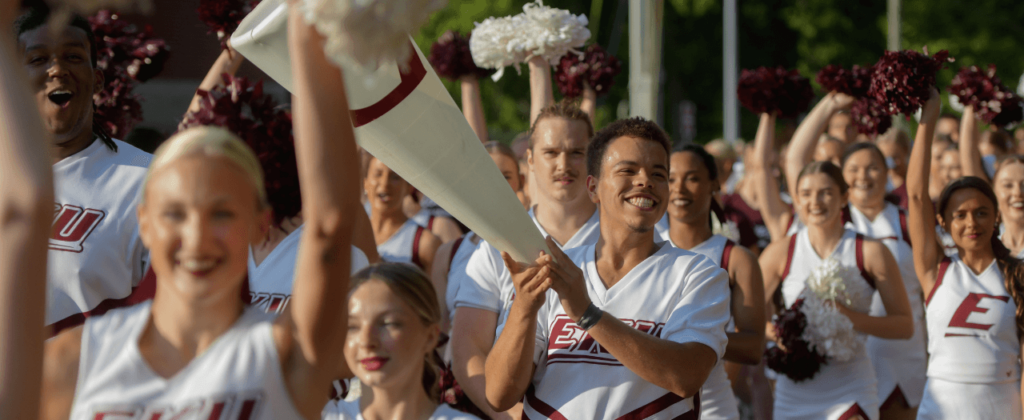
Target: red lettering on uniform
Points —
{"points": [[269, 302], [969, 305], [224, 407], [72, 225], [568, 343], [563, 334], [114, 415]]}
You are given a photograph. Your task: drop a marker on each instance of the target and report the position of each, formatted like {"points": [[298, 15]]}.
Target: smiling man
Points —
{"points": [[96, 257], [622, 328]]}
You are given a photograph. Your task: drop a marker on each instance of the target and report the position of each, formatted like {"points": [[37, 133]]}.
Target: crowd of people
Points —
{"points": [[192, 284]]}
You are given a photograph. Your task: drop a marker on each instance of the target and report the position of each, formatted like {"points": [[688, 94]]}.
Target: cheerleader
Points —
{"points": [[693, 180], [394, 323], [26, 215], [399, 238], [841, 389], [1007, 183], [899, 364], [195, 348], [974, 297]]}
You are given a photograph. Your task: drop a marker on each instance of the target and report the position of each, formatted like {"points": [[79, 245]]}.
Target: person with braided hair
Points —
{"points": [[975, 298]]}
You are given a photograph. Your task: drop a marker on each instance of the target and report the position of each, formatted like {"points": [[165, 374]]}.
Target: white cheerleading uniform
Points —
{"points": [[349, 410], [463, 249], [898, 363], [96, 257], [487, 283], [270, 283], [237, 378], [839, 390], [404, 245], [675, 295], [717, 400], [974, 371]]}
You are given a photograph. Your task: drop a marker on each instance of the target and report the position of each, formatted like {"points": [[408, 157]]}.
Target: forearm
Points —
{"points": [[26, 212], [970, 154], [589, 103], [509, 365], [228, 62], [773, 210], [328, 175], [805, 139], [473, 107], [680, 368], [541, 93], [744, 347], [894, 326]]}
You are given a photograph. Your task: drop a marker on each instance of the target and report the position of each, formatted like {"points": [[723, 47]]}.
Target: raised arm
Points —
{"points": [[805, 139], [746, 343], [541, 93], [311, 335], [228, 62], [473, 106], [775, 212], [970, 154], [589, 103], [26, 212], [921, 214]]}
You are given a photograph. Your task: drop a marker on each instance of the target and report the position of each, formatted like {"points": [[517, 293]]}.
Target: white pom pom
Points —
{"points": [[827, 329], [539, 31], [368, 33]]}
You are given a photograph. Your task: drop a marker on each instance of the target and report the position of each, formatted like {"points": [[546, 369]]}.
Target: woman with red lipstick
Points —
{"points": [[975, 298], [196, 348], [394, 322], [899, 364], [841, 389], [693, 179]]}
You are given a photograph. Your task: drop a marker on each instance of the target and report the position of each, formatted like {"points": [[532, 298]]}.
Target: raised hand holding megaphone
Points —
{"points": [[408, 120]]}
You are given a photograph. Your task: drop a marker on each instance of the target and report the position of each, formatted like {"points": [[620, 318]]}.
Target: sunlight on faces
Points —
{"points": [[387, 342], [384, 188], [819, 200], [509, 170], [63, 78], [199, 215], [1009, 188], [558, 158], [866, 175], [840, 126], [898, 155], [949, 126], [970, 218], [633, 184], [949, 166], [829, 151], [690, 189]]}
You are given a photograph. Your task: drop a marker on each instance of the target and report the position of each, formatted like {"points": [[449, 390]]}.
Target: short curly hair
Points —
{"points": [[633, 127]]}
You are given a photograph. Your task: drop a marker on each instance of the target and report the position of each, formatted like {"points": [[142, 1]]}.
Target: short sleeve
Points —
{"points": [[702, 311], [480, 283]]}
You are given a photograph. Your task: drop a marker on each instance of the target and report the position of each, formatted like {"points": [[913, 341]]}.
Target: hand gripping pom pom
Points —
{"points": [[779, 91], [223, 16], [451, 58], [870, 117], [539, 31], [367, 33], [902, 80], [993, 102], [242, 108], [853, 82], [795, 358], [597, 69], [126, 55]]}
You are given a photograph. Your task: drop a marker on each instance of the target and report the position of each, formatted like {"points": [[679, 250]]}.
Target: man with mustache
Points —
{"points": [[95, 256], [624, 327], [561, 208]]}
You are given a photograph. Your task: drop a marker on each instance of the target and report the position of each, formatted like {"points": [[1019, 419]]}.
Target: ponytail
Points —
{"points": [[1013, 276]]}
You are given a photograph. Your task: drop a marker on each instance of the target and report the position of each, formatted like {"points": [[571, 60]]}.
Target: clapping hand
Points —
{"points": [[567, 280]]}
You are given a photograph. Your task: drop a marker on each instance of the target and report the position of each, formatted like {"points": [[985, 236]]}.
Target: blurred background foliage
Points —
{"points": [[801, 34]]}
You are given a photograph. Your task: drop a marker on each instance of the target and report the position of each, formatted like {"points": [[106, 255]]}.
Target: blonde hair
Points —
{"points": [[209, 141]]}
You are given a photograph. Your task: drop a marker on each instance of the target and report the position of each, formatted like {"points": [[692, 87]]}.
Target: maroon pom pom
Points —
{"points": [[451, 58], [853, 82], [1011, 111], [870, 117], [597, 68], [780, 91], [902, 80], [117, 108], [798, 361], [223, 16], [986, 93], [243, 109]]}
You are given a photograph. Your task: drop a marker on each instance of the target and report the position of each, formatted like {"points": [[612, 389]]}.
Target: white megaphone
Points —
{"points": [[410, 122]]}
